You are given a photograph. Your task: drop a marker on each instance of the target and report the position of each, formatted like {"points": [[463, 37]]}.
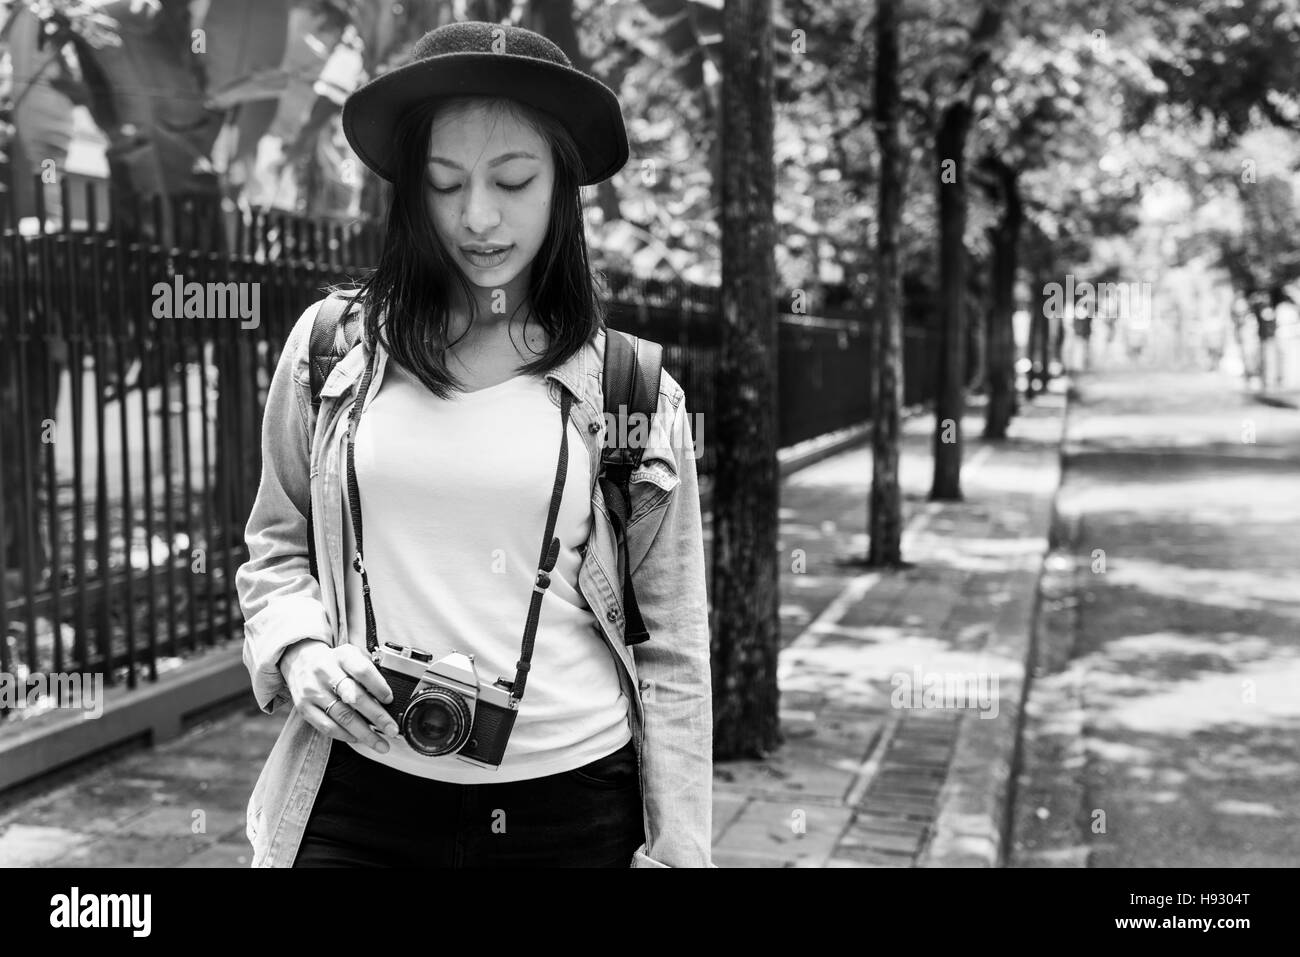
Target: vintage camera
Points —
{"points": [[441, 708]]}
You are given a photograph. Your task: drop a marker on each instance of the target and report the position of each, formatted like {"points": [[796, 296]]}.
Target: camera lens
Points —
{"points": [[436, 722]]}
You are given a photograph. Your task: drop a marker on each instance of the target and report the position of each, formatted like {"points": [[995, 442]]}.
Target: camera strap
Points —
{"points": [[545, 563]]}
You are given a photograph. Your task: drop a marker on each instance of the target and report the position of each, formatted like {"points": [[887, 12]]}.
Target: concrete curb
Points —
{"points": [[155, 712], [1289, 401], [972, 827], [1048, 800]]}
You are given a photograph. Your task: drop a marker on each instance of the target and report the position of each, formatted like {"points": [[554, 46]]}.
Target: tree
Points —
{"points": [[746, 622], [1262, 255], [884, 517], [146, 95], [1042, 104], [954, 125], [1235, 65], [554, 19], [1000, 342]]}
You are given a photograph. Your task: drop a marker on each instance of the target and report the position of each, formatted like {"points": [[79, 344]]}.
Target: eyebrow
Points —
{"points": [[503, 158]]}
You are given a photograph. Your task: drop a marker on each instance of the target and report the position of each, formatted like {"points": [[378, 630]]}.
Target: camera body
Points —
{"points": [[441, 707]]}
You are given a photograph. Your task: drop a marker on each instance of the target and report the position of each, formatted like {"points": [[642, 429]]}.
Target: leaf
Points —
{"points": [[263, 85], [245, 39]]}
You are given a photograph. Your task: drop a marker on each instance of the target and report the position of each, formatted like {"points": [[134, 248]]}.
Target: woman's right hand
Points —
{"points": [[313, 670]]}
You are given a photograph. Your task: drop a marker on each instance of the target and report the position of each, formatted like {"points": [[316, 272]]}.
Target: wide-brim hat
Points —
{"points": [[475, 58]]}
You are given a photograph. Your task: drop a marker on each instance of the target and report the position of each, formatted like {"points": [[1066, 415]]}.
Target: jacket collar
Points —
{"points": [[572, 373]]}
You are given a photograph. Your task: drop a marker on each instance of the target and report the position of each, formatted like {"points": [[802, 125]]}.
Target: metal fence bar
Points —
{"points": [[53, 340], [66, 245], [120, 331], [103, 623], [144, 339]]}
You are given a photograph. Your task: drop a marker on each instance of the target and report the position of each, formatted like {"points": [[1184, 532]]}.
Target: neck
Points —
{"points": [[487, 324], [494, 305]]}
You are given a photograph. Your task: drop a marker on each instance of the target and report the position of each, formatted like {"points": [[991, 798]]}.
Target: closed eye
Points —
{"points": [[506, 186]]}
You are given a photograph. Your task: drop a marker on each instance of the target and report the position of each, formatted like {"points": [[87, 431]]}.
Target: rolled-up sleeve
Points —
{"points": [[279, 598], [675, 676]]}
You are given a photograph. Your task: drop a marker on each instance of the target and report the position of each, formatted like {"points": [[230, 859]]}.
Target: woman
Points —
{"points": [[433, 467]]}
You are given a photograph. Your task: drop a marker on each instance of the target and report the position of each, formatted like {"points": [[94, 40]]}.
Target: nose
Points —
{"points": [[481, 213]]}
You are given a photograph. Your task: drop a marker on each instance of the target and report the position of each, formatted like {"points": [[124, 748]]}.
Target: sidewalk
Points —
{"points": [[857, 782]]}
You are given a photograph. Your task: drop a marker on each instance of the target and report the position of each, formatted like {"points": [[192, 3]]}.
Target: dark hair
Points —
{"points": [[410, 286]]}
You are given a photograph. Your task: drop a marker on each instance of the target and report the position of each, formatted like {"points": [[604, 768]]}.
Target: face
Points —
{"points": [[487, 186]]}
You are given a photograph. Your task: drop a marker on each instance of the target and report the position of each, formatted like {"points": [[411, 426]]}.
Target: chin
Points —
{"points": [[497, 281]]}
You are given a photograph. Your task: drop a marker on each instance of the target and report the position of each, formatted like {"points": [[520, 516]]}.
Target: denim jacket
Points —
{"points": [[667, 678]]}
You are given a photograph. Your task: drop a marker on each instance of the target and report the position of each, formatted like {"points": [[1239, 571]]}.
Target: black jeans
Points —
{"points": [[370, 815]]}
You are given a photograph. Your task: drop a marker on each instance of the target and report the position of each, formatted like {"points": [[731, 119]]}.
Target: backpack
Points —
{"points": [[631, 377]]}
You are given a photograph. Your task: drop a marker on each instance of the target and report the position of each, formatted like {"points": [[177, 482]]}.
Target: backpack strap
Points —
{"points": [[631, 384], [332, 337], [331, 340]]}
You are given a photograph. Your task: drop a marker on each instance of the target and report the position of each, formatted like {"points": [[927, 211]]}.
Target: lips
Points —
{"points": [[485, 259]]}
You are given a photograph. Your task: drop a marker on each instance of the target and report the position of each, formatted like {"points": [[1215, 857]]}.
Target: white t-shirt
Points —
{"points": [[454, 498]]}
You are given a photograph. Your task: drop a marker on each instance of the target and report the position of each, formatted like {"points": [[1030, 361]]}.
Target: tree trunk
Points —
{"points": [[1239, 337], [1033, 349], [554, 20], [746, 631], [1001, 352], [885, 515], [1057, 348], [1046, 348], [950, 401], [1263, 335], [977, 347]]}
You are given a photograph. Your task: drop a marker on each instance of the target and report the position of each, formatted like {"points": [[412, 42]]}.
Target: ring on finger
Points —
{"points": [[331, 707], [335, 686]]}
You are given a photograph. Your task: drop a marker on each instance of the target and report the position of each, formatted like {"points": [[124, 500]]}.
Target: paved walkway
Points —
{"points": [[858, 782], [1162, 728]]}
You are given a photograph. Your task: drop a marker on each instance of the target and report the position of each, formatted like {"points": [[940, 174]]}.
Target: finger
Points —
{"points": [[314, 715], [355, 663], [349, 719], [359, 699]]}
